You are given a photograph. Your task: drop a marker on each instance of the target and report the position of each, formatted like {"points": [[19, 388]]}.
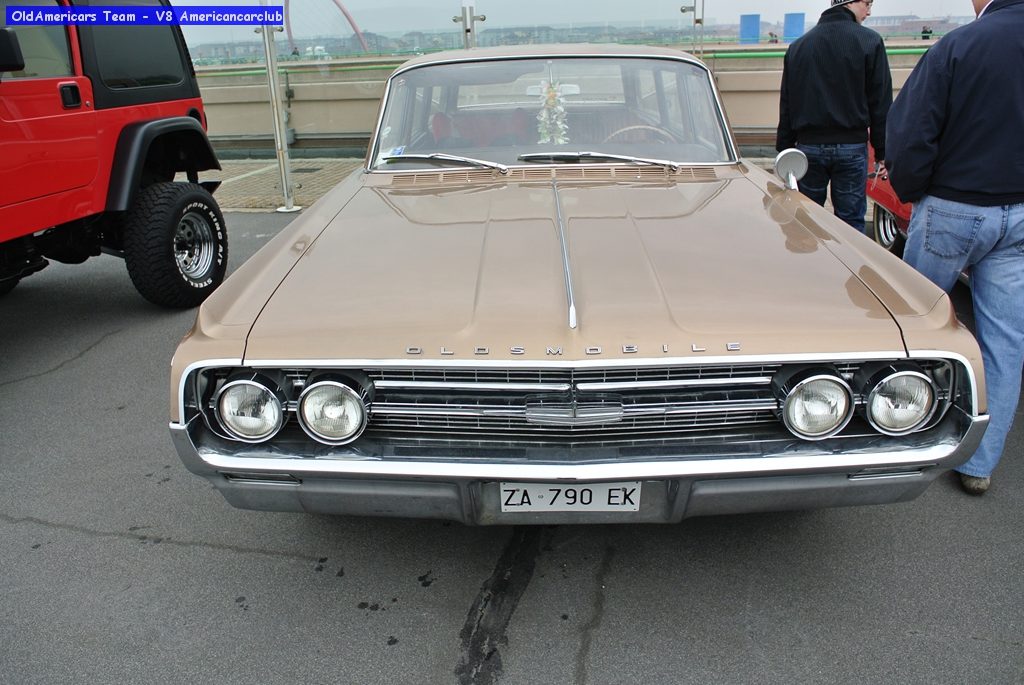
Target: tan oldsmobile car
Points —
{"points": [[556, 294]]}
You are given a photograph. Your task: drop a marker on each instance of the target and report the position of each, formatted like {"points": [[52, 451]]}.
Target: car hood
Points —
{"points": [[477, 272]]}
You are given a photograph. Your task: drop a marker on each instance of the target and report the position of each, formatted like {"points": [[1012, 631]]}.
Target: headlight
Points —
{"points": [[249, 410], [900, 401], [817, 405], [332, 412]]}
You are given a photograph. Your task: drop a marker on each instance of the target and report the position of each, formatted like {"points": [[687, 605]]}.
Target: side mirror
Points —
{"points": [[791, 165], [10, 51]]}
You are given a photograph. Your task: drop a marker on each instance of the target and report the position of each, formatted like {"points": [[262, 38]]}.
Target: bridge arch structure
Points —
{"points": [[344, 11]]}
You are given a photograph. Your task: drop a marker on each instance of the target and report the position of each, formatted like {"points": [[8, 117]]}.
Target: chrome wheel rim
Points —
{"points": [[885, 228], [194, 246]]}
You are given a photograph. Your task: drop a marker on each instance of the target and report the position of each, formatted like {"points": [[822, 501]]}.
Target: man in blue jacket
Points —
{"points": [[836, 86], [956, 150]]}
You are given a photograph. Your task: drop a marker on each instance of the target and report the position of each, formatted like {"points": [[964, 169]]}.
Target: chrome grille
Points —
{"points": [[609, 404], [560, 406], [506, 428]]}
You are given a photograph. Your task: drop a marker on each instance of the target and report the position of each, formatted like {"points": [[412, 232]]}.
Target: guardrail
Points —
{"points": [[331, 106], [730, 43]]}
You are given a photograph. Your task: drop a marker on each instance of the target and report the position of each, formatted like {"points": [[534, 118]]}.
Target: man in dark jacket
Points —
{"points": [[957, 152], [836, 86]]}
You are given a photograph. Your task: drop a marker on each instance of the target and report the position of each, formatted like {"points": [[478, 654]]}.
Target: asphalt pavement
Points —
{"points": [[256, 183], [119, 566]]}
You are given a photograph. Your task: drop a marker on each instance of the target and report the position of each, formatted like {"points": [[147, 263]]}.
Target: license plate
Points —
{"points": [[560, 497]]}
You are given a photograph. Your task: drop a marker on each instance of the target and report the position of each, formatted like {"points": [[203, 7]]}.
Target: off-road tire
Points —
{"points": [[175, 244], [8, 286]]}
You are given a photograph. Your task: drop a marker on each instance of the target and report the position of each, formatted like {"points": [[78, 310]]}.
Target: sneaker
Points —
{"points": [[973, 485]]}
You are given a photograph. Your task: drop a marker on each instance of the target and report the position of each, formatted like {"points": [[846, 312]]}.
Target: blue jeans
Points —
{"points": [[948, 237], [846, 167]]}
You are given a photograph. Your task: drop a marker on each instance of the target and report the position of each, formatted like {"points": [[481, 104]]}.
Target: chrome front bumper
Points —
{"points": [[806, 476]]}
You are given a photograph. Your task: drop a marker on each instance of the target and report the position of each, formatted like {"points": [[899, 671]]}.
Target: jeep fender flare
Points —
{"points": [[133, 148]]}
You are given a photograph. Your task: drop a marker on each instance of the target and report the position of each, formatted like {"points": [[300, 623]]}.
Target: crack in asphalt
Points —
{"points": [[64, 363], [154, 539], [487, 622], [594, 623]]}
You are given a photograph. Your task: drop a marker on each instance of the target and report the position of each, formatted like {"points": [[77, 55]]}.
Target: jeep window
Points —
{"points": [[44, 48], [137, 56]]}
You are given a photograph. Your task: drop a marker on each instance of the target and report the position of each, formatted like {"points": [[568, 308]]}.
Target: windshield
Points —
{"points": [[500, 110]]}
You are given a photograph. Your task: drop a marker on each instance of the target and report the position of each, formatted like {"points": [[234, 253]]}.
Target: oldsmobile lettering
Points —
{"points": [[590, 351]]}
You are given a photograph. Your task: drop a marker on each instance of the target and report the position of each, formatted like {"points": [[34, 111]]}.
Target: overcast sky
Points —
{"points": [[321, 17]]}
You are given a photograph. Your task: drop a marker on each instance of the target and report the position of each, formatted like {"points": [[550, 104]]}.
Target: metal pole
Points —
{"points": [[468, 35], [702, 29], [468, 19], [280, 135], [691, 9]]}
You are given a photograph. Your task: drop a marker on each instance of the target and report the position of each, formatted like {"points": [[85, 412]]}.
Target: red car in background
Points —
{"points": [[890, 217]]}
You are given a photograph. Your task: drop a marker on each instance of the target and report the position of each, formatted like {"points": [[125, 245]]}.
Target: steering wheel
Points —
{"points": [[659, 132]]}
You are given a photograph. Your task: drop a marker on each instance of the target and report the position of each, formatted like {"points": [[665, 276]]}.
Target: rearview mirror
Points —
{"points": [[10, 51], [564, 89]]}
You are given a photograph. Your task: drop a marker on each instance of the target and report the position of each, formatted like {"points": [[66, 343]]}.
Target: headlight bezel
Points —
{"points": [[787, 386], [887, 374], [349, 388], [263, 383]]}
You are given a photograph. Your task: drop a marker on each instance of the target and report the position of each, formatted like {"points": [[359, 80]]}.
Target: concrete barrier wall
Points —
{"points": [[334, 104], [751, 98], [332, 108]]}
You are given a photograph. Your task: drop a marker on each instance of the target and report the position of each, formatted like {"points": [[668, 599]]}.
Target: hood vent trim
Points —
{"points": [[561, 173]]}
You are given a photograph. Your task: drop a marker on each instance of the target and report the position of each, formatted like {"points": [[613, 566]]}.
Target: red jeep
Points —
{"points": [[95, 122]]}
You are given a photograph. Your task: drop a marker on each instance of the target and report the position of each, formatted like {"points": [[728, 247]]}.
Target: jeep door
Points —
{"points": [[47, 140]]}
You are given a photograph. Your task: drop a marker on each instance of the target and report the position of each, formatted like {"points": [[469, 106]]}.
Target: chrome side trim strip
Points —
{"points": [[565, 256], [263, 482], [886, 476], [672, 385], [486, 387]]}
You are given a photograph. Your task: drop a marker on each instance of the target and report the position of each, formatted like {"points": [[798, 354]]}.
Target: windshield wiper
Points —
{"points": [[579, 156], [440, 158]]}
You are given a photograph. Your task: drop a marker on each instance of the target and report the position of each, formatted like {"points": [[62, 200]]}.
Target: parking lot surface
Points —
{"points": [[256, 183], [119, 566]]}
